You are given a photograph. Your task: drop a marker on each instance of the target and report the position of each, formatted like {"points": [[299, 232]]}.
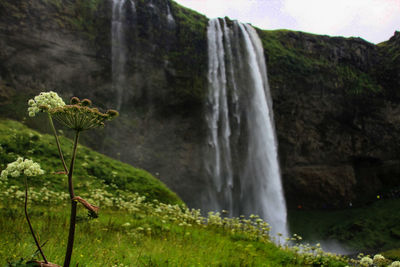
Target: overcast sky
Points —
{"points": [[372, 20]]}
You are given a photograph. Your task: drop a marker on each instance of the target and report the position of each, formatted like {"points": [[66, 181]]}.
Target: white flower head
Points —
{"points": [[44, 101], [21, 166], [395, 264], [366, 261], [378, 258]]}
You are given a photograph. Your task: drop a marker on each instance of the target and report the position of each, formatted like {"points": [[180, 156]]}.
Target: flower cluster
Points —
{"points": [[44, 101], [366, 261], [42, 195], [20, 166], [377, 261], [80, 116]]}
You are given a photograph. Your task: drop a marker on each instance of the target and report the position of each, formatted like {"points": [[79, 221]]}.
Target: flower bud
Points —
{"points": [[112, 113], [74, 100], [86, 102]]}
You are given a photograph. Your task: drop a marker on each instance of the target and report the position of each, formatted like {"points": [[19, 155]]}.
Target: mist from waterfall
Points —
{"points": [[119, 46], [241, 156]]}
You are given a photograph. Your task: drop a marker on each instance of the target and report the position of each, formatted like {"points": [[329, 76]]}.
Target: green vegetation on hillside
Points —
{"points": [[314, 59], [93, 170]]}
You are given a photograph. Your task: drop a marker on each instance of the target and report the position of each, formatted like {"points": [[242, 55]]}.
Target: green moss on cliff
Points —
{"points": [[283, 56], [189, 56], [312, 59], [80, 15], [388, 69], [356, 81], [391, 47]]}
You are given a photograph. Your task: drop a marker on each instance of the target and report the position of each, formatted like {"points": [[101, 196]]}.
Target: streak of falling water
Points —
{"points": [[218, 121], [170, 18], [119, 50], [241, 156]]}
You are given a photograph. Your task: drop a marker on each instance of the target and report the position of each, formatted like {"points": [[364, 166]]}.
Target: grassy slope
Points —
{"points": [[148, 234], [92, 170], [105, 242]]}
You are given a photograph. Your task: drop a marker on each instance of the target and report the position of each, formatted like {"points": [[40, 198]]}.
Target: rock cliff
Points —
{"points": [[337, 114], [336, 100]]}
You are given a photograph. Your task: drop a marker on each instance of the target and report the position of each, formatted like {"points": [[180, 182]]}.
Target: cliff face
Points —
{"points": [[336, 100], [337, 114]]}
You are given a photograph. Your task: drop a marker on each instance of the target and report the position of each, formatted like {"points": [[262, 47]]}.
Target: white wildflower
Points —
{"points": [[366, 261], [378, 258], [4, 174], [44, 100], [15, 174], [21, 166], [395, 264]]}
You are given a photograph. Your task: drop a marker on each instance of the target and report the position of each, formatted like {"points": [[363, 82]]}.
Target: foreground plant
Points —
{"points": [[78, 116], [25, 168]]}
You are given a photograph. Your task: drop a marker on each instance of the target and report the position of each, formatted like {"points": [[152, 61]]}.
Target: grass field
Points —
{"points": [[148, 237]]}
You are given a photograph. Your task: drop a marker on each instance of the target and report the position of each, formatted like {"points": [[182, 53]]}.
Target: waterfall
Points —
{"points": [[241, 156], [170, 18], [119, 49]]}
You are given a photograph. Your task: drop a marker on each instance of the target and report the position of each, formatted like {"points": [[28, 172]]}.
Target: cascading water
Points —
{"points": [[241, 156], [170, 18], [119, 50]]}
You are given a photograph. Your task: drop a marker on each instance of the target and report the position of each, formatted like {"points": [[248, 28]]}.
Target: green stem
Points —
{"points": [[58, 144], [71, 234], [29, 222]]}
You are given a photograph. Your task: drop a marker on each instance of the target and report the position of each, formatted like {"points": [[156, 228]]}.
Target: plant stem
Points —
{"points": [[71, 234], [58, 143], [29, 222]]}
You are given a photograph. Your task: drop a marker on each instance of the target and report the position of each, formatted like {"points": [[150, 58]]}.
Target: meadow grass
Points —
{"points": [[120, 238]]}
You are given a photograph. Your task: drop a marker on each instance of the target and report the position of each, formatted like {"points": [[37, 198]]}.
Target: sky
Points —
{"points": [[373, 20]]}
